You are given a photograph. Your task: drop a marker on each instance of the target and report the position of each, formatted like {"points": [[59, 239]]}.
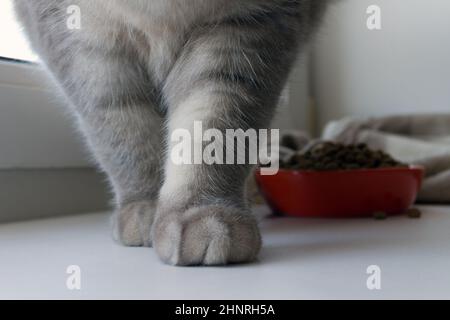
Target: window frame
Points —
{"points": [[51, 141]]}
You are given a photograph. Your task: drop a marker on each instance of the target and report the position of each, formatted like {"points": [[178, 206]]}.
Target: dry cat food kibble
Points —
{"points": [[380, 215], [414, 213], [326, 156]]}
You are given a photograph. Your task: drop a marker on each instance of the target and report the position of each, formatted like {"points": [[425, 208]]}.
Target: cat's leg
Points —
{"points": [[114, 103], [227, 77]]}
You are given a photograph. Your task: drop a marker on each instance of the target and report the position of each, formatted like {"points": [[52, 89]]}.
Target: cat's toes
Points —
{"points": [[132, 224], [209, 235]]}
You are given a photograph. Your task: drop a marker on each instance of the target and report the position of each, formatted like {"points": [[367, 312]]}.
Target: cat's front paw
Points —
{"points": [[132, 224], [208, 235]]}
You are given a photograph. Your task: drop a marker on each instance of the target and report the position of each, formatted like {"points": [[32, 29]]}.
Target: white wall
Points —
{"points": [[294, 111], [402, 68]]}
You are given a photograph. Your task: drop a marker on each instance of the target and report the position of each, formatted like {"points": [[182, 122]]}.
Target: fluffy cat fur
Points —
{"points": [[139, 69]]}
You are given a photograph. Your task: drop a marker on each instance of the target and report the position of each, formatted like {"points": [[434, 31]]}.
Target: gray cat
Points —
{"points": [[139, 69]]}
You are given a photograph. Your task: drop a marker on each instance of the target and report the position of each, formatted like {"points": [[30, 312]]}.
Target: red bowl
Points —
{"points": [[344, 193]]}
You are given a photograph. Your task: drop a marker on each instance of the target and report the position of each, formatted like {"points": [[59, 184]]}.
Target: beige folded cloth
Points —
{"points": [[413, 139]]}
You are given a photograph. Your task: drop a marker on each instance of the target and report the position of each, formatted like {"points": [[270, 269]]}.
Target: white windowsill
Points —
{"points": [[301, 259], [35, 126]]}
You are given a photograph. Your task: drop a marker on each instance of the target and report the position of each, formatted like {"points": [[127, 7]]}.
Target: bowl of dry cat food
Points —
{"points": [[335, 180]]}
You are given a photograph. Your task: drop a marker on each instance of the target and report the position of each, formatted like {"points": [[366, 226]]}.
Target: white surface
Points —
{"points": [[402, 68], [301, 259]]}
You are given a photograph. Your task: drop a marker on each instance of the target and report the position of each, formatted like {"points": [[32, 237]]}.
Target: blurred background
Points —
{"points": [[349, 70]]}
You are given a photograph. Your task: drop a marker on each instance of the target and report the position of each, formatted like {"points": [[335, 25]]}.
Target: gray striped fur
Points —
{"points": [[139, 69]]}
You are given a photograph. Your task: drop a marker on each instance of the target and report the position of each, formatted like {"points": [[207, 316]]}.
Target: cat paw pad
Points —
{"points": [[209, 235], [132, 224]]}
